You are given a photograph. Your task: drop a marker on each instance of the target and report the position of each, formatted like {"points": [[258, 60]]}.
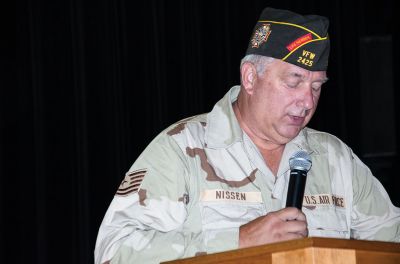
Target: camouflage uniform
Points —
{"points": [[200, 179]]}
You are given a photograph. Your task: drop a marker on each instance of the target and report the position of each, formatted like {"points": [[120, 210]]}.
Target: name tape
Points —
{"points": [[225, 195]]}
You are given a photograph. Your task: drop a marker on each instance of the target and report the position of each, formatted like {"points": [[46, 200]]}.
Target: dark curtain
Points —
{"points": [[97, 80]]}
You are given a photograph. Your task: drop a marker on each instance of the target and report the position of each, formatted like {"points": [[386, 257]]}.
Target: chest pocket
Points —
{"points": [[327, 222], [221, 220], [222, 214]]}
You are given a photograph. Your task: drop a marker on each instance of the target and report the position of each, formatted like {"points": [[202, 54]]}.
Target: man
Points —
{"points": [[219, 181]]}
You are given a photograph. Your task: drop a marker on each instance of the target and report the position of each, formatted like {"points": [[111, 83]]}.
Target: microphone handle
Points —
{"points": [[297, 184]]}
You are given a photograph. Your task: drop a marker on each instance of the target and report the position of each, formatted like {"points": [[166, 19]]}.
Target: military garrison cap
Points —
{"points": [[293, 38]]}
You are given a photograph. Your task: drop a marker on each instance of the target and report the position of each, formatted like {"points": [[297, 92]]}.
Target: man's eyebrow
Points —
{"points": [[301, 76], [323, 80], [295, 74]]}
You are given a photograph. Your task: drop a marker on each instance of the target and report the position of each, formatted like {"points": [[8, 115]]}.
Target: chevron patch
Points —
{"points": [[131, 182]]}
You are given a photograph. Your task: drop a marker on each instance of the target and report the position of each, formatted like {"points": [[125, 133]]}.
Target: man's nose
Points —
{"points": [[306, 100]]}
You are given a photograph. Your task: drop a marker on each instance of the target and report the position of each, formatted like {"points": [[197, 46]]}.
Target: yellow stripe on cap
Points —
{"points": [[291, 24], [313, 40]]}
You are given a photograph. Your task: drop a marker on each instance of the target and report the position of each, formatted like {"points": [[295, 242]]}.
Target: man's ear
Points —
{"points": [[248, 74]]}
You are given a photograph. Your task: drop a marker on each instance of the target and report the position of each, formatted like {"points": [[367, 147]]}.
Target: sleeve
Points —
{"points": [[143, 223], [373, 217]]}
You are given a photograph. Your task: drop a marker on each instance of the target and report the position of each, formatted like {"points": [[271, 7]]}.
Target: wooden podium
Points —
{"points": [[309, 250]]}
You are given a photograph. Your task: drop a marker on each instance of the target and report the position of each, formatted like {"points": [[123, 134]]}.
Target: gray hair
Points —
{"points": [[259, 61]]}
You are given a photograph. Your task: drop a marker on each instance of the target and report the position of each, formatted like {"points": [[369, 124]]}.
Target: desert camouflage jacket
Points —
{"points": [[200, 179]]}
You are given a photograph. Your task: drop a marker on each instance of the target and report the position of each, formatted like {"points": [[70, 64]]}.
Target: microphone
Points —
{"points": [[300, 164]]}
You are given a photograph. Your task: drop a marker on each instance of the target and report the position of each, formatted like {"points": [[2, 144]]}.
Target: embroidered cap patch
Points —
{"points": [[131, 182]]}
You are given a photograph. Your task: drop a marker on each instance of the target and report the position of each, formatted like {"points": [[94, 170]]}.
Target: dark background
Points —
{"points": [[97, 80]]}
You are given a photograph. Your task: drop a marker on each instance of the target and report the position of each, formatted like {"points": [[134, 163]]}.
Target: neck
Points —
{"points": [[263, 144], [271, 152]]}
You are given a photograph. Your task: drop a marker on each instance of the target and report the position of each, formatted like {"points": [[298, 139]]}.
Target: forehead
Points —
{"points": [[284, 69]]}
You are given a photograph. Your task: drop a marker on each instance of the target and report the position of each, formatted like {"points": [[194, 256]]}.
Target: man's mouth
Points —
{"points": [[296, 120]]}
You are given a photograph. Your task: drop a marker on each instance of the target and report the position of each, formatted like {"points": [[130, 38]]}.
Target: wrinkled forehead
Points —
{"points": [[290, 70]]}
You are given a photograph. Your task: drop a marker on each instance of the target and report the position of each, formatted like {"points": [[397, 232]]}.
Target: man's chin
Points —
{"points": [[292, 133]]}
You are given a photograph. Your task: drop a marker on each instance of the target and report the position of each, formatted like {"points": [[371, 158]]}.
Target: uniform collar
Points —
{"points": [[303, 141], [223, 128]]}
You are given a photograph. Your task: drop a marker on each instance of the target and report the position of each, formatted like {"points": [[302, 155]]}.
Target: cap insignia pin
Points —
{"points": [[261, 35]]}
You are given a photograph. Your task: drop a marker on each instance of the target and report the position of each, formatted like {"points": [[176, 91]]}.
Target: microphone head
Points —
{"points": [[300, 161]]}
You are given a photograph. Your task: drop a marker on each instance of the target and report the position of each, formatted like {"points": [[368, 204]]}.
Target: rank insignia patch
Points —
{"points": [[131, 182], [261, 35]]}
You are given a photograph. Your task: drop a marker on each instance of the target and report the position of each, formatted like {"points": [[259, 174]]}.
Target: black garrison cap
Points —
{"points": [[293, 38]]}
